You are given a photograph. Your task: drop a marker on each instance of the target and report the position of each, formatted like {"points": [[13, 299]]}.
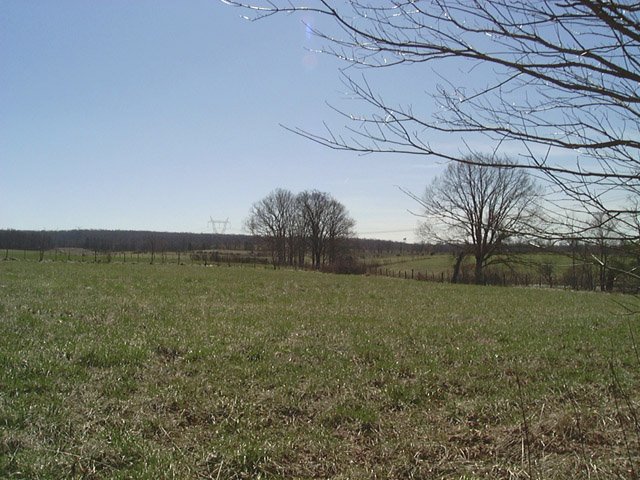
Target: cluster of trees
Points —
{"points": [[555, 82], [295, 226]]}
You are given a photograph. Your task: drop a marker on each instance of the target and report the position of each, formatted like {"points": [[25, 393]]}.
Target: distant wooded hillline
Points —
{"points": [[144, 241]]}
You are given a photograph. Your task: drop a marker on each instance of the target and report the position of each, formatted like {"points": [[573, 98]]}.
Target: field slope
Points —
{"points": [[168, 371]]}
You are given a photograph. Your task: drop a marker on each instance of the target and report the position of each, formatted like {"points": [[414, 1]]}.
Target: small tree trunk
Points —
{"points": [[456, 267], [479, 273]]}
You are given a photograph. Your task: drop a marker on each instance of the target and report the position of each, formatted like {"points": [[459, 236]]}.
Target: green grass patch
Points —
{"points": [[181, 371]]}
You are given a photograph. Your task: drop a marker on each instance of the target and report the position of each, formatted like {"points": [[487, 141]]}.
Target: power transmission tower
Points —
{"points": [[214, 223]]}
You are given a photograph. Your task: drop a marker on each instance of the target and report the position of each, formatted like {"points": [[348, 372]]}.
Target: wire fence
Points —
{"points": [[586, 277], [583, 276]]}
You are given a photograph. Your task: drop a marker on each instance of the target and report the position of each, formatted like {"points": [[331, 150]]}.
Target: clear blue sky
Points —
{"points": [[157, 114]]}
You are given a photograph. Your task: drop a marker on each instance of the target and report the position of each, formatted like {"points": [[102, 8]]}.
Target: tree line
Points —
{"points": [[122, 240], [143, 241]]}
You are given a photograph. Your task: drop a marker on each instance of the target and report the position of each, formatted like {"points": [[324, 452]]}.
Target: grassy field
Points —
{"points": [[441, 265], [166, 371]]}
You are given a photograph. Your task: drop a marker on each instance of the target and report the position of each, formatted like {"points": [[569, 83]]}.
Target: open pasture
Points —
{"points": [[183, 371]]}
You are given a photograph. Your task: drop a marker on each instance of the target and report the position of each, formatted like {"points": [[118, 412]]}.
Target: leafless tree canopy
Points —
{"points": [[480, 208], [310, 222], [563, 89], [327, 222], [273, 218]]}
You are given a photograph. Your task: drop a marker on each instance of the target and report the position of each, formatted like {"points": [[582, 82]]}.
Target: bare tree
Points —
{"points": [[298, 236], [327, 222], [339, 228], [557, 82], [273, 218], [314, 206], [480, 207]]}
